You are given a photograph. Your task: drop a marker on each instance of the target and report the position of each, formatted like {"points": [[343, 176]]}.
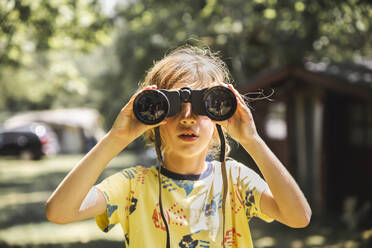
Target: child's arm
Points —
{"points": [[64, 205], [284, 200]]}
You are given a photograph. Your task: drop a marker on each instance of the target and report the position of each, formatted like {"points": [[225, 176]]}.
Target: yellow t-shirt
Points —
{"points": [[192, 206]]}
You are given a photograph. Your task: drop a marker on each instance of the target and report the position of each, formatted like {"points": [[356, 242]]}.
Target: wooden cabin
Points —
{"points": [[320, 126]]}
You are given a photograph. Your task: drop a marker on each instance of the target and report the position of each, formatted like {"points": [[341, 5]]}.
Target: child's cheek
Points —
{"points": [[207, 125]]}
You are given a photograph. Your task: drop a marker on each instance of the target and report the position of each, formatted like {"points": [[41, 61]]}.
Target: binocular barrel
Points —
{"points": [[153, 106]]}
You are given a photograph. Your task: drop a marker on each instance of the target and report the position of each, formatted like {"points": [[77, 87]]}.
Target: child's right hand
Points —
{"points": [[126, 126], [65, 204]]}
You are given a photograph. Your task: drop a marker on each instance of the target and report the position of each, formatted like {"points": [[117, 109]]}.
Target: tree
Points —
{"points": [[38, 42], [40, 25], [251, 35]]}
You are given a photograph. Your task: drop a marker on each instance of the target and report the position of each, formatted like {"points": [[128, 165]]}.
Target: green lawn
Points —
{"points": [[26, 185]]}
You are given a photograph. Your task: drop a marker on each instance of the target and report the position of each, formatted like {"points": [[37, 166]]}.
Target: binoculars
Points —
{"points": [[153, 106]]}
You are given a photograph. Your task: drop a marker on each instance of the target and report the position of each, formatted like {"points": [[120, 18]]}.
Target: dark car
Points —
{"points": [[27, 145], [31, 141]]}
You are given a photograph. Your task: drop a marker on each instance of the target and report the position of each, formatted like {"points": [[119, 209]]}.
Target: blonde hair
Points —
{"points": [[192, 67]]}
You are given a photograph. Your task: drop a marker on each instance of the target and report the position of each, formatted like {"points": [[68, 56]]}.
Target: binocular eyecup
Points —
{"points": [[153, 106]]}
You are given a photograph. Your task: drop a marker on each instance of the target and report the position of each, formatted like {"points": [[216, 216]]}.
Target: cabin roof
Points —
{"points": [[349, 78]]}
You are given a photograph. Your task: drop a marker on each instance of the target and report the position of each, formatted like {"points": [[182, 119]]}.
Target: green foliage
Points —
{"points": [[57, 83], [39, 40], [41, 43], [38, 25], [251, 35]]}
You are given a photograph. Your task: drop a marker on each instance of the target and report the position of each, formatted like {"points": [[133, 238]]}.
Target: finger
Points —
{"points": [[239, 97], [149, 87], [236, 92], [242, 109]]}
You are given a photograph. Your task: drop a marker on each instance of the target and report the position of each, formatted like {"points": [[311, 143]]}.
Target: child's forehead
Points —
{"points": [[193, 85]]}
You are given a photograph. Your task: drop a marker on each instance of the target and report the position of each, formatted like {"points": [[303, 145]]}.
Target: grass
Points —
{"points": [[48, 233], [26, 185], [24, 188]]}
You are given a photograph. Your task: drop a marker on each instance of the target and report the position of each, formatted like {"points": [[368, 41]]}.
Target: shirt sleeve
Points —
{"points": [[251, 187], [116, 190]]}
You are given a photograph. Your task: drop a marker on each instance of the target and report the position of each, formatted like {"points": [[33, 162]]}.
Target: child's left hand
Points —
{"points": [[240, 126]]}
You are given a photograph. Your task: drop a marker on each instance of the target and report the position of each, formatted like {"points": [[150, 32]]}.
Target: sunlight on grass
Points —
{"points": [[265, 242], [12, 170], [23, 198], [367, 234], [315, 240], [297, 244], [351, 244], [49, 233], [24, 183]]}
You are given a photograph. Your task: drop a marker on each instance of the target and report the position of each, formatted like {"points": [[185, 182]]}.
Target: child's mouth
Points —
{"points": [[188, 137]]}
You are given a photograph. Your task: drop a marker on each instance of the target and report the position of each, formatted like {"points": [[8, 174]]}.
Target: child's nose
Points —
{"points": [[187, 117]]}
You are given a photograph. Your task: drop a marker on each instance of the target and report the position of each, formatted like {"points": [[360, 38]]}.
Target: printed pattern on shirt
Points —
{"points": [[141, 174], [236, 200], [210, 208], [129, 173], [192, 209], [167, 184], [158, 220], [204, 244], [111, 209], [126, 241], [177, 215], [188, 186], [131, 203], [188, 242], [231, 238], [250, 204]]}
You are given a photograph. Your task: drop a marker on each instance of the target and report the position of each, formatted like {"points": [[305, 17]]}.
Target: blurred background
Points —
{"points": [[68, 67]]}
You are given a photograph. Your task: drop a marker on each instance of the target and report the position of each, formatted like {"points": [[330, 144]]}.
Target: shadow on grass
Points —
{"points": [[18, 189], [33, 212], [22, 214], [44, 182]]}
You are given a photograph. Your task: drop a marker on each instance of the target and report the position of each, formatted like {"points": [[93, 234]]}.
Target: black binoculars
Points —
{"points": [[152, 106]]}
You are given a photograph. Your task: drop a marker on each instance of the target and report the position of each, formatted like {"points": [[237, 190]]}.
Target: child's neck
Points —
{"points": [[194, 165]]}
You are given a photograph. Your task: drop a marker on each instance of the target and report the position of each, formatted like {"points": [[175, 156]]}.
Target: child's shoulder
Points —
{"points": [[230, 163], [235, 167]]}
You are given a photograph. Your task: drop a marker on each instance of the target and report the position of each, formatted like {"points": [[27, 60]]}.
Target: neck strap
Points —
{"points": [[224, 179]]}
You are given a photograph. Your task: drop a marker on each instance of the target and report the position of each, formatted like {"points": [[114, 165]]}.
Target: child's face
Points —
{"points": [[187, 134]]}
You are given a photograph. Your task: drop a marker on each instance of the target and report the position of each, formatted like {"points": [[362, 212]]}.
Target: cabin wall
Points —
{"points": [[349, 151]]}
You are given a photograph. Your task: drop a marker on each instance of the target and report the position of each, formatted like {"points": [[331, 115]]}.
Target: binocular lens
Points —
{"points": [[151, 107], [220, 103]]}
